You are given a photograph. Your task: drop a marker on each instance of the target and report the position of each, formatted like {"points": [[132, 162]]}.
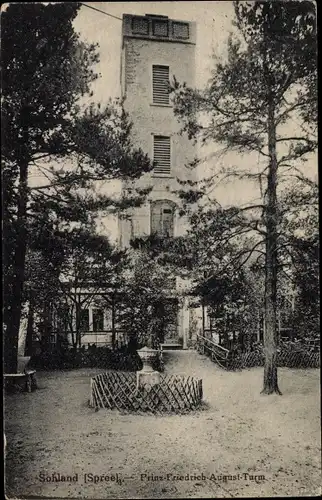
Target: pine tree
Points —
{"points": [[267, 79]]}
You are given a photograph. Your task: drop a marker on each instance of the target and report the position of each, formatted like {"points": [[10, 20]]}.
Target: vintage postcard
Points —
{"points": [[161, 250]]}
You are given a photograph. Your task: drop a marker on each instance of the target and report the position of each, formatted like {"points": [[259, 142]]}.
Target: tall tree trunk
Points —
{"points": [[11, 335], [270, 336]]}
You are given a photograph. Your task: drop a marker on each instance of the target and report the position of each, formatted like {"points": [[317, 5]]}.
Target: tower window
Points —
{"points": [[162, 154], [180, 30], [140, 26], [160, 28], [162, 218], [160, 84]]}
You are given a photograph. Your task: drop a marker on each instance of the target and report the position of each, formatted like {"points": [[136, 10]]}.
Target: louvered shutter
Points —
{"points": [[161, 84], [162, 154]]}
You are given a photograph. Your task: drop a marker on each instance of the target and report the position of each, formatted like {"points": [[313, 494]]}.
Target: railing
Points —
{"points": [[219, 354]]}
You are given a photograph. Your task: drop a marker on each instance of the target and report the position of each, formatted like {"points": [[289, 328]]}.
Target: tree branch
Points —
{"points": [[284, 139]]}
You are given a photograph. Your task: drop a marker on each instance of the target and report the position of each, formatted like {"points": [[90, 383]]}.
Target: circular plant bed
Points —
{"points": [[119, 390]]}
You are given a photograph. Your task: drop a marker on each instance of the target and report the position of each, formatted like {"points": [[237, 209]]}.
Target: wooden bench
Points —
{"points": [[28, 379], [170, 345], [25, 377]]}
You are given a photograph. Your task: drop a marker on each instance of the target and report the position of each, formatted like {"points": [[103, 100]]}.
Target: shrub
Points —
{"points": [[98, 357]]}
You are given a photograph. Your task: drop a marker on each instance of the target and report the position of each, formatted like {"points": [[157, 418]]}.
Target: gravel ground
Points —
{"points": [[241, 434]]}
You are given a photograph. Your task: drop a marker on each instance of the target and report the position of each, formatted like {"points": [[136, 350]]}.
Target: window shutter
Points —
{"points": [[162, 154], [160, 84]]}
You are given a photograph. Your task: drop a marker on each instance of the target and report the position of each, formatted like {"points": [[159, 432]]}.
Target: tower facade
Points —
{"points": [[154, 50]]}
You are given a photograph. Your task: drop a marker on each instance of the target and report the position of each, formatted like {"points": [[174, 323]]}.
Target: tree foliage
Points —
{"points": [[144, 296], [300, 234], [45, 125]]}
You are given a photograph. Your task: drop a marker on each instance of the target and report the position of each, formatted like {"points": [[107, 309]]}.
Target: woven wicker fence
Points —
{"points": [[118, 390], [285, 358]]}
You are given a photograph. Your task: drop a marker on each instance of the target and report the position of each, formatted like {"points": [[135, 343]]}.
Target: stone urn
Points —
{"points": [[147, 377]]}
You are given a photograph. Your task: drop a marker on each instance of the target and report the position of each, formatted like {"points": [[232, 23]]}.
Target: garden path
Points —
{"points": [[239, 432]]}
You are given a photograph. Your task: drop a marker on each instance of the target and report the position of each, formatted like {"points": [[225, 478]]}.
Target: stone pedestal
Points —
{"points": [[147, 377]]}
